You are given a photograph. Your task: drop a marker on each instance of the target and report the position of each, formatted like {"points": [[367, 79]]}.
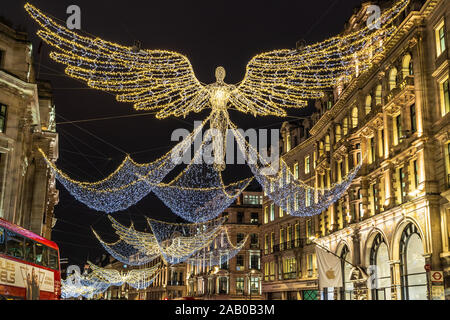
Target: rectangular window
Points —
{"points": [[14, 245], [372, 150], [266, 271], [309, 231], [266, 244], [41, 255], [309, 265], [53, 259], [240, 237], [266, 215], [254, 218], [308, 198], [307, 165], [297, 231], [3, 110], [2, 56], [240, 262], [272, 270], [255, 261], [445, 97], [239, 285], [240, 217], [381, 144], [289, 268], [272, 212], [289, 237], [440, 38], [281, 239], [29, 250], [254, 285], [397, 129], [412, 111], [296, 172], [272, 241], [416, 174], [402, 182], [288, 143], [254, 241]]}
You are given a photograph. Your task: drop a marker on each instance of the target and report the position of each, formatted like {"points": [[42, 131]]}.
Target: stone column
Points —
{"points": [[395, 280]]}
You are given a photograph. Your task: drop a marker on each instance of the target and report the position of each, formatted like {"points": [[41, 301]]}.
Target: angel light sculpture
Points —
{"points": [[165, 81]]}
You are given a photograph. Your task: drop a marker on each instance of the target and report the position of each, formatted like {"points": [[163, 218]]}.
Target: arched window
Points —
{"points": [[393, 79], [378, 94], [379, 258], [407, 66], [346, 267], [354, 117], [413, 275], [368, 104]]}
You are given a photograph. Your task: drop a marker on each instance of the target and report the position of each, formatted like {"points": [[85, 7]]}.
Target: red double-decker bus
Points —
{"points": [[29, 265]]}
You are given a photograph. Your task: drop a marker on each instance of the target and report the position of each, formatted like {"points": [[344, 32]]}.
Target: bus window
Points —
{"points": [[29, 250], [2, 240], [14, 245], [53, 258], [41, 255]]}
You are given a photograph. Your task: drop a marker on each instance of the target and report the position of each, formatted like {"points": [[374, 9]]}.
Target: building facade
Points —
{"points": [[240, 277], [394, 219], [27, 123]]}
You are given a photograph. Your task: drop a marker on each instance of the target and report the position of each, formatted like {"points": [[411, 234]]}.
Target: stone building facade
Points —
{"points": [[394, 219], [239, 278], [27, 122]]}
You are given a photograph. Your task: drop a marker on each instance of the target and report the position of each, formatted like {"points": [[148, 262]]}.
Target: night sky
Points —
{"points": [[210, 33]]}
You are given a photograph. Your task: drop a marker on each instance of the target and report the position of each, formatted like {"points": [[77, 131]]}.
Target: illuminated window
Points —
{"points": [[288, 143], [296, 172], [240, 260], [266, 244], [372, 157], [381, 143], [393, 79], [266, 215], [368, 104], [407, 66], [272, 212], [378, 94], [239, 285], [445, 96], [338, 133], [309, 231], [272, 241], [402, 184], [345, 126], [307, 165], [354, 117], [308, 198], [416, 173], [281, 239], [327, 143], [440, 38]]}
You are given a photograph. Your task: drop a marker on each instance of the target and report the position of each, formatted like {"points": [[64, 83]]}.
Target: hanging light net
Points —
{"points": [[281, 186], [219, 252], [211, 197], [128, 184]]}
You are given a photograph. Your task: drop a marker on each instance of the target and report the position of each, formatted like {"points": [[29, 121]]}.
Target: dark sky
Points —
{"points": [[210, 33]]}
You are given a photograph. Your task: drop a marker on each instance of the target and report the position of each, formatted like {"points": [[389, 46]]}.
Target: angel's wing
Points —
{"points": [[151, 79], [281, 79]]}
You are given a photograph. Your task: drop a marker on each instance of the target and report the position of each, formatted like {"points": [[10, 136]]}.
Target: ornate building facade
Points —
{"points": [[240, 277], [394, 219], [27, 122]]}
